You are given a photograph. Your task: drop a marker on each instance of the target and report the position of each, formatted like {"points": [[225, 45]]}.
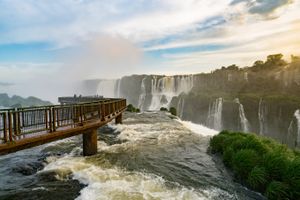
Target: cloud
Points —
{"points": [[263, 7], [65, 23], [103, 57]]}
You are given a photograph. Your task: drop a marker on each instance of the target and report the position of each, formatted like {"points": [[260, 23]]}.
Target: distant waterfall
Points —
{"points": [[180, 107], [142, 95], [261, 116], [163, 89], [297, 115], [107, 88], [214, 119], [118, 88], [244, 121]]}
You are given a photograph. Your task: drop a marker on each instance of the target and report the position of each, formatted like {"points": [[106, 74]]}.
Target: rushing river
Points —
{"points": [[150, 156]]}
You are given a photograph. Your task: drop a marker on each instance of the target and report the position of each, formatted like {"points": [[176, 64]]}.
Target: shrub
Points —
{"points": [[163, 109], [131, 108], [244, 161], [292, 177], [263, 164], [257, 178], [227, 156], [277, 190], [173, 111], [216, 143], [275, 164]]}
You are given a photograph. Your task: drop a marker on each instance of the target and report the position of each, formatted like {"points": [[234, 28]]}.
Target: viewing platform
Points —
{"points": [[79, 99], [23, 128]]}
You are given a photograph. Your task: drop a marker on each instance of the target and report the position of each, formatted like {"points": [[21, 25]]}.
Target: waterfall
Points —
{"points": [[180, 107], [261, 116], [297, 115], [214, 119], [163, 89], [246, 76], [244, 121], [118, 88], [107, 88], [142, 95]]}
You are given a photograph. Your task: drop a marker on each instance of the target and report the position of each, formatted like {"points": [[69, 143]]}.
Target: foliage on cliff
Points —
{"points": [[274, 76], [260, 163], [131, 108], [172, 110]]}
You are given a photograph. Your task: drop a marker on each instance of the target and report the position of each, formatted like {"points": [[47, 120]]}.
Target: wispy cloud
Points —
{"points": [[263, 7]]}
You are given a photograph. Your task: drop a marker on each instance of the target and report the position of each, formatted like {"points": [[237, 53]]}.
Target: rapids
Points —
{"points": [[149, 156]]}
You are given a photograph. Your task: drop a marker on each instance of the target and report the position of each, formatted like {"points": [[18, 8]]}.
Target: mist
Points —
{"points": [[103, 57]]}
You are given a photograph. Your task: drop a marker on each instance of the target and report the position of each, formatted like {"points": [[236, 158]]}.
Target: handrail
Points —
{"points": [[16, 124]]}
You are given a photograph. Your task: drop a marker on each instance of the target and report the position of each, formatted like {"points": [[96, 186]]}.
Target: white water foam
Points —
{"points": [[199, 129], [106, 181]]}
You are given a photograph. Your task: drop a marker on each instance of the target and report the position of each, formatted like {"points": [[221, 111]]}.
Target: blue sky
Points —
{"points": [[92, 37]]}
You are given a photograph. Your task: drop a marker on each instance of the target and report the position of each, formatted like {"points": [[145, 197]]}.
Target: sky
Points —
{"points": [[49, 42]]}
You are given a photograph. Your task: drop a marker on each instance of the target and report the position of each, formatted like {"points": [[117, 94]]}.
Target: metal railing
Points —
{"points": [[16, 124]]}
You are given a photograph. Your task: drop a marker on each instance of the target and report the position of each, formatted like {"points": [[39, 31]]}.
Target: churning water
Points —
{"points": [[149, 156]]}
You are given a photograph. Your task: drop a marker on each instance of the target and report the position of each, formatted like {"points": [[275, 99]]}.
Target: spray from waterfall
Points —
{"points": [[142, 95], [244, 121], [107, 88], [261, 116], [214, 119], [163, 89]]}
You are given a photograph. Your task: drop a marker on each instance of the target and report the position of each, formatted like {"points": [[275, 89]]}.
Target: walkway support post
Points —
{"points": [[90, 142], [119, 119]]}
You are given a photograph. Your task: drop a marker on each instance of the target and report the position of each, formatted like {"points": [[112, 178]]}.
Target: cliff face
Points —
{"points": [[264, 101]]}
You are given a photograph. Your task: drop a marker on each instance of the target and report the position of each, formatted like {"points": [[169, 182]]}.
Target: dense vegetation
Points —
{"points": [[172, 110], [274, 76], [131, 108], [260, 163], [17, 101]]}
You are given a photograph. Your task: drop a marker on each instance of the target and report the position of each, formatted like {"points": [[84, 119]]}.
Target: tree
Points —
{"points": [[233, 67], [295, 59], [275, 60]]}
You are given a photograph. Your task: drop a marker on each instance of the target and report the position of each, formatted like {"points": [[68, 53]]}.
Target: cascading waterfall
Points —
{"points": [[180, 107], [244, 121], [142, 95], [118, 88], [297, 115], [107, 88], [214, 119], [290, 132], [261, 116], [163, 89]]}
